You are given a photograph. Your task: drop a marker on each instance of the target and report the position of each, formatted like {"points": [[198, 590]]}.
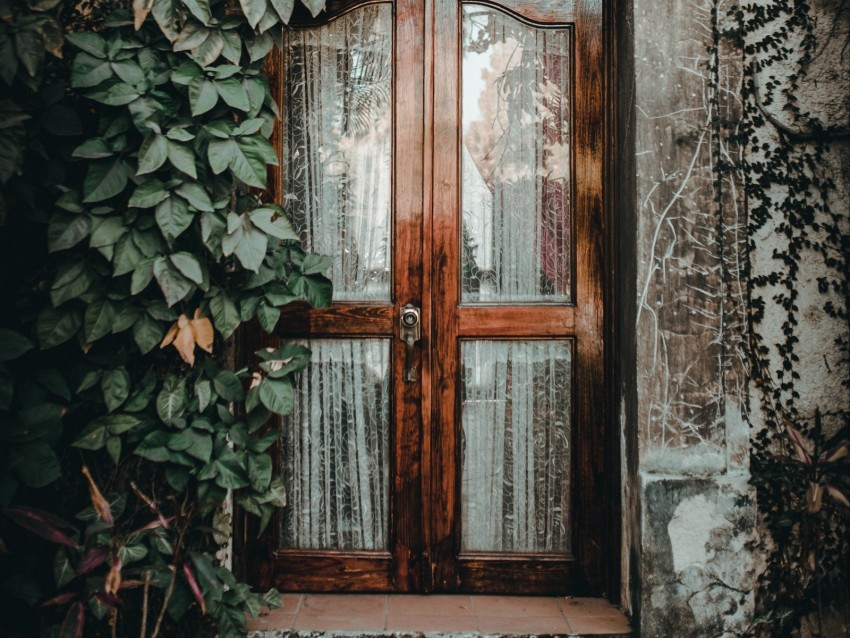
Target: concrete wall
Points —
{"points": [[690, 513]]}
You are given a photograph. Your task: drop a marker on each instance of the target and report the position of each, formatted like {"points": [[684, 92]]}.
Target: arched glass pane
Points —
{"points": [[515, 193], [337, 138]]}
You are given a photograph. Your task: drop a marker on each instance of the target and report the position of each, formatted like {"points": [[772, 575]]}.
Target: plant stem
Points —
{"points": [[145, 594], [165, 601]]}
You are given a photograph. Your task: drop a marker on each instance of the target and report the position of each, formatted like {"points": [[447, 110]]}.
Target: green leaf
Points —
{"points": [[225, 314], [66, 231], [98, 319], [188, 266], [105, 179], [203, 390], [191, 37], [153, 153], [196, 195], [148, 194], [247, 242], [315, 264], [107, 232], [283, 8], [57, 325], [115, 386], [13, 344], [315, 6], [228, 386], [142, 276], [316, 289], [253, 10], [186, 72], [199, 8], [91, 43], [93, 436], [147, 333], [208, 52], [129, 71], [220, 153], [279, 227], [72, 280], [114, 93], [174, 286], [260, 471], [276, 395], [36, 464], [171, 400], [173, 217], [132, 553], [113, 448], [118, 423], [182, 157], [94, 148], [202, 95], [233, 93], [268, 316], [63, 572], [88, 71]]}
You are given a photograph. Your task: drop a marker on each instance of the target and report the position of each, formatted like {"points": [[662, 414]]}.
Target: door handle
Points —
{"points": [[410, 322]]}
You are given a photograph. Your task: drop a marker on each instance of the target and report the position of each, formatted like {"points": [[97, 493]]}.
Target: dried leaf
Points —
{"points": [[840, 451], [151, 505], [814, 498], [169, 336], [798, 443], [113, 579], [186, 333], [837, 495], [141, 9], [100, 504], [202, 330], [93, 558]]}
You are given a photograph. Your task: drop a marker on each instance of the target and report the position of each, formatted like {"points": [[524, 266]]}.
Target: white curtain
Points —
{"points": [[337, 134], [515, 160], [516, 446], [335, 448]]}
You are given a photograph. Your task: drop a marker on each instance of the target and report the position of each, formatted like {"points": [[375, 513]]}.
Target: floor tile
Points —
{"points": [[272, 620], [334, 623], [440, 605], [587, 607], [599, 624], [516, 606], [344, 605], [502, 625], [430, 622]]}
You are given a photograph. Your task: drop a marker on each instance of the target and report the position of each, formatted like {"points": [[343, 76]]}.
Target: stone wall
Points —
{"points": [[690, 513]]}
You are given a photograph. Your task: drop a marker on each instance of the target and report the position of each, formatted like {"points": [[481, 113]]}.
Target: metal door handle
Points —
{"points": [[410, 332]]}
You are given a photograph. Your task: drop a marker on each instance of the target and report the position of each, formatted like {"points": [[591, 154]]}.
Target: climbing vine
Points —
{"points": [[799, 456], [133, 160]]}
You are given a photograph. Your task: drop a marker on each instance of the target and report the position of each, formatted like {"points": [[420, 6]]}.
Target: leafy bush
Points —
{"points": [[125, 427]]}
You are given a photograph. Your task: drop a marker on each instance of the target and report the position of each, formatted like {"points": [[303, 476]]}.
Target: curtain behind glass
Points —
{"points": [[337, 133], [515, 416], [335, 448]]}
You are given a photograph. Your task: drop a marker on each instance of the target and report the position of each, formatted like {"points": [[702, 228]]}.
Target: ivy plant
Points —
{"points": [[128, 426]]}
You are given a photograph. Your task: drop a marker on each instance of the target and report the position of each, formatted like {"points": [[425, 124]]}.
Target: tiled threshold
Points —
{"points": [[409, 616]]}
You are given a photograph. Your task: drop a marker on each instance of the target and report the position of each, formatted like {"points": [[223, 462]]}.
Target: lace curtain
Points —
{"points": [[516, 430], [515, 160], [335, 448], [337, 134]]}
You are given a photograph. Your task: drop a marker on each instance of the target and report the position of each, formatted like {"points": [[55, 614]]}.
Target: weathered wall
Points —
{"points": [[690, 527]]}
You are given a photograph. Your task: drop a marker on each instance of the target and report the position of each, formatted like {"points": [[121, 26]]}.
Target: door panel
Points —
{"points": [[448, 155]]}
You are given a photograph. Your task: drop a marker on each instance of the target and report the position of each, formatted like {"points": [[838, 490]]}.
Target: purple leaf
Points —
{"points": [[42, 524], [61, 599], [75, 619], [93, 557], [193, 585]]}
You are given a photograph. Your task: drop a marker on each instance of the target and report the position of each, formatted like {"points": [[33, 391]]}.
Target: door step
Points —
{"points": [[439, 616]]}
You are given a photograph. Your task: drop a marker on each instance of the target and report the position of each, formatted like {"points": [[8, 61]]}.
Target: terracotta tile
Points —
{"points": [[588, 607], [433, 605], [344, 605], [430, 622], [516, 606], [503, 625], [600, 624], [272, 620], [323, 622], [291, 603]]}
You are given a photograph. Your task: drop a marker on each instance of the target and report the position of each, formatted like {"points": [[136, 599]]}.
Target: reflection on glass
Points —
{"points": [[515, 159], [335, 448], [515, 414], [337, 131]]}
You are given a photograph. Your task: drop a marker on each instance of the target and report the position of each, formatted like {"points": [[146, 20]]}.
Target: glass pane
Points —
{"points": [[337, 133], [515, 415], [516, 160], [335, 448]]}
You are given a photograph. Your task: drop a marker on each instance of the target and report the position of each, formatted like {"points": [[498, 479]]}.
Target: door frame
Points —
{"points": [[416, 554]]}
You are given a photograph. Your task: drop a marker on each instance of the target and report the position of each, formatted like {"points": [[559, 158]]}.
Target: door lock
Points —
{"points": [[410, 332]]}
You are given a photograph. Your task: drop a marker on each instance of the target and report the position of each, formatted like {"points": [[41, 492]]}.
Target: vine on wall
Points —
{"points": [[799, 456], [132, 171]]}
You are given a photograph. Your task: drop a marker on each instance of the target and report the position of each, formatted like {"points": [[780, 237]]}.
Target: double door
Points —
{"points": [[448, 434]]}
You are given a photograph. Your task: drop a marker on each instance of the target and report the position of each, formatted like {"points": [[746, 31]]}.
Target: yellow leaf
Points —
{"points": [[169, 336], [203, 332], [185, 340], [100, 504]]}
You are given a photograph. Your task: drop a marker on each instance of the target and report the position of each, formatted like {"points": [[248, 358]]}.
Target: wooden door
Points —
{"points": [[449, 156]]}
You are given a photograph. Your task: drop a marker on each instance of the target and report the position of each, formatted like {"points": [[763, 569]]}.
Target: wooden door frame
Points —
{"points": [[251, 555]]}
